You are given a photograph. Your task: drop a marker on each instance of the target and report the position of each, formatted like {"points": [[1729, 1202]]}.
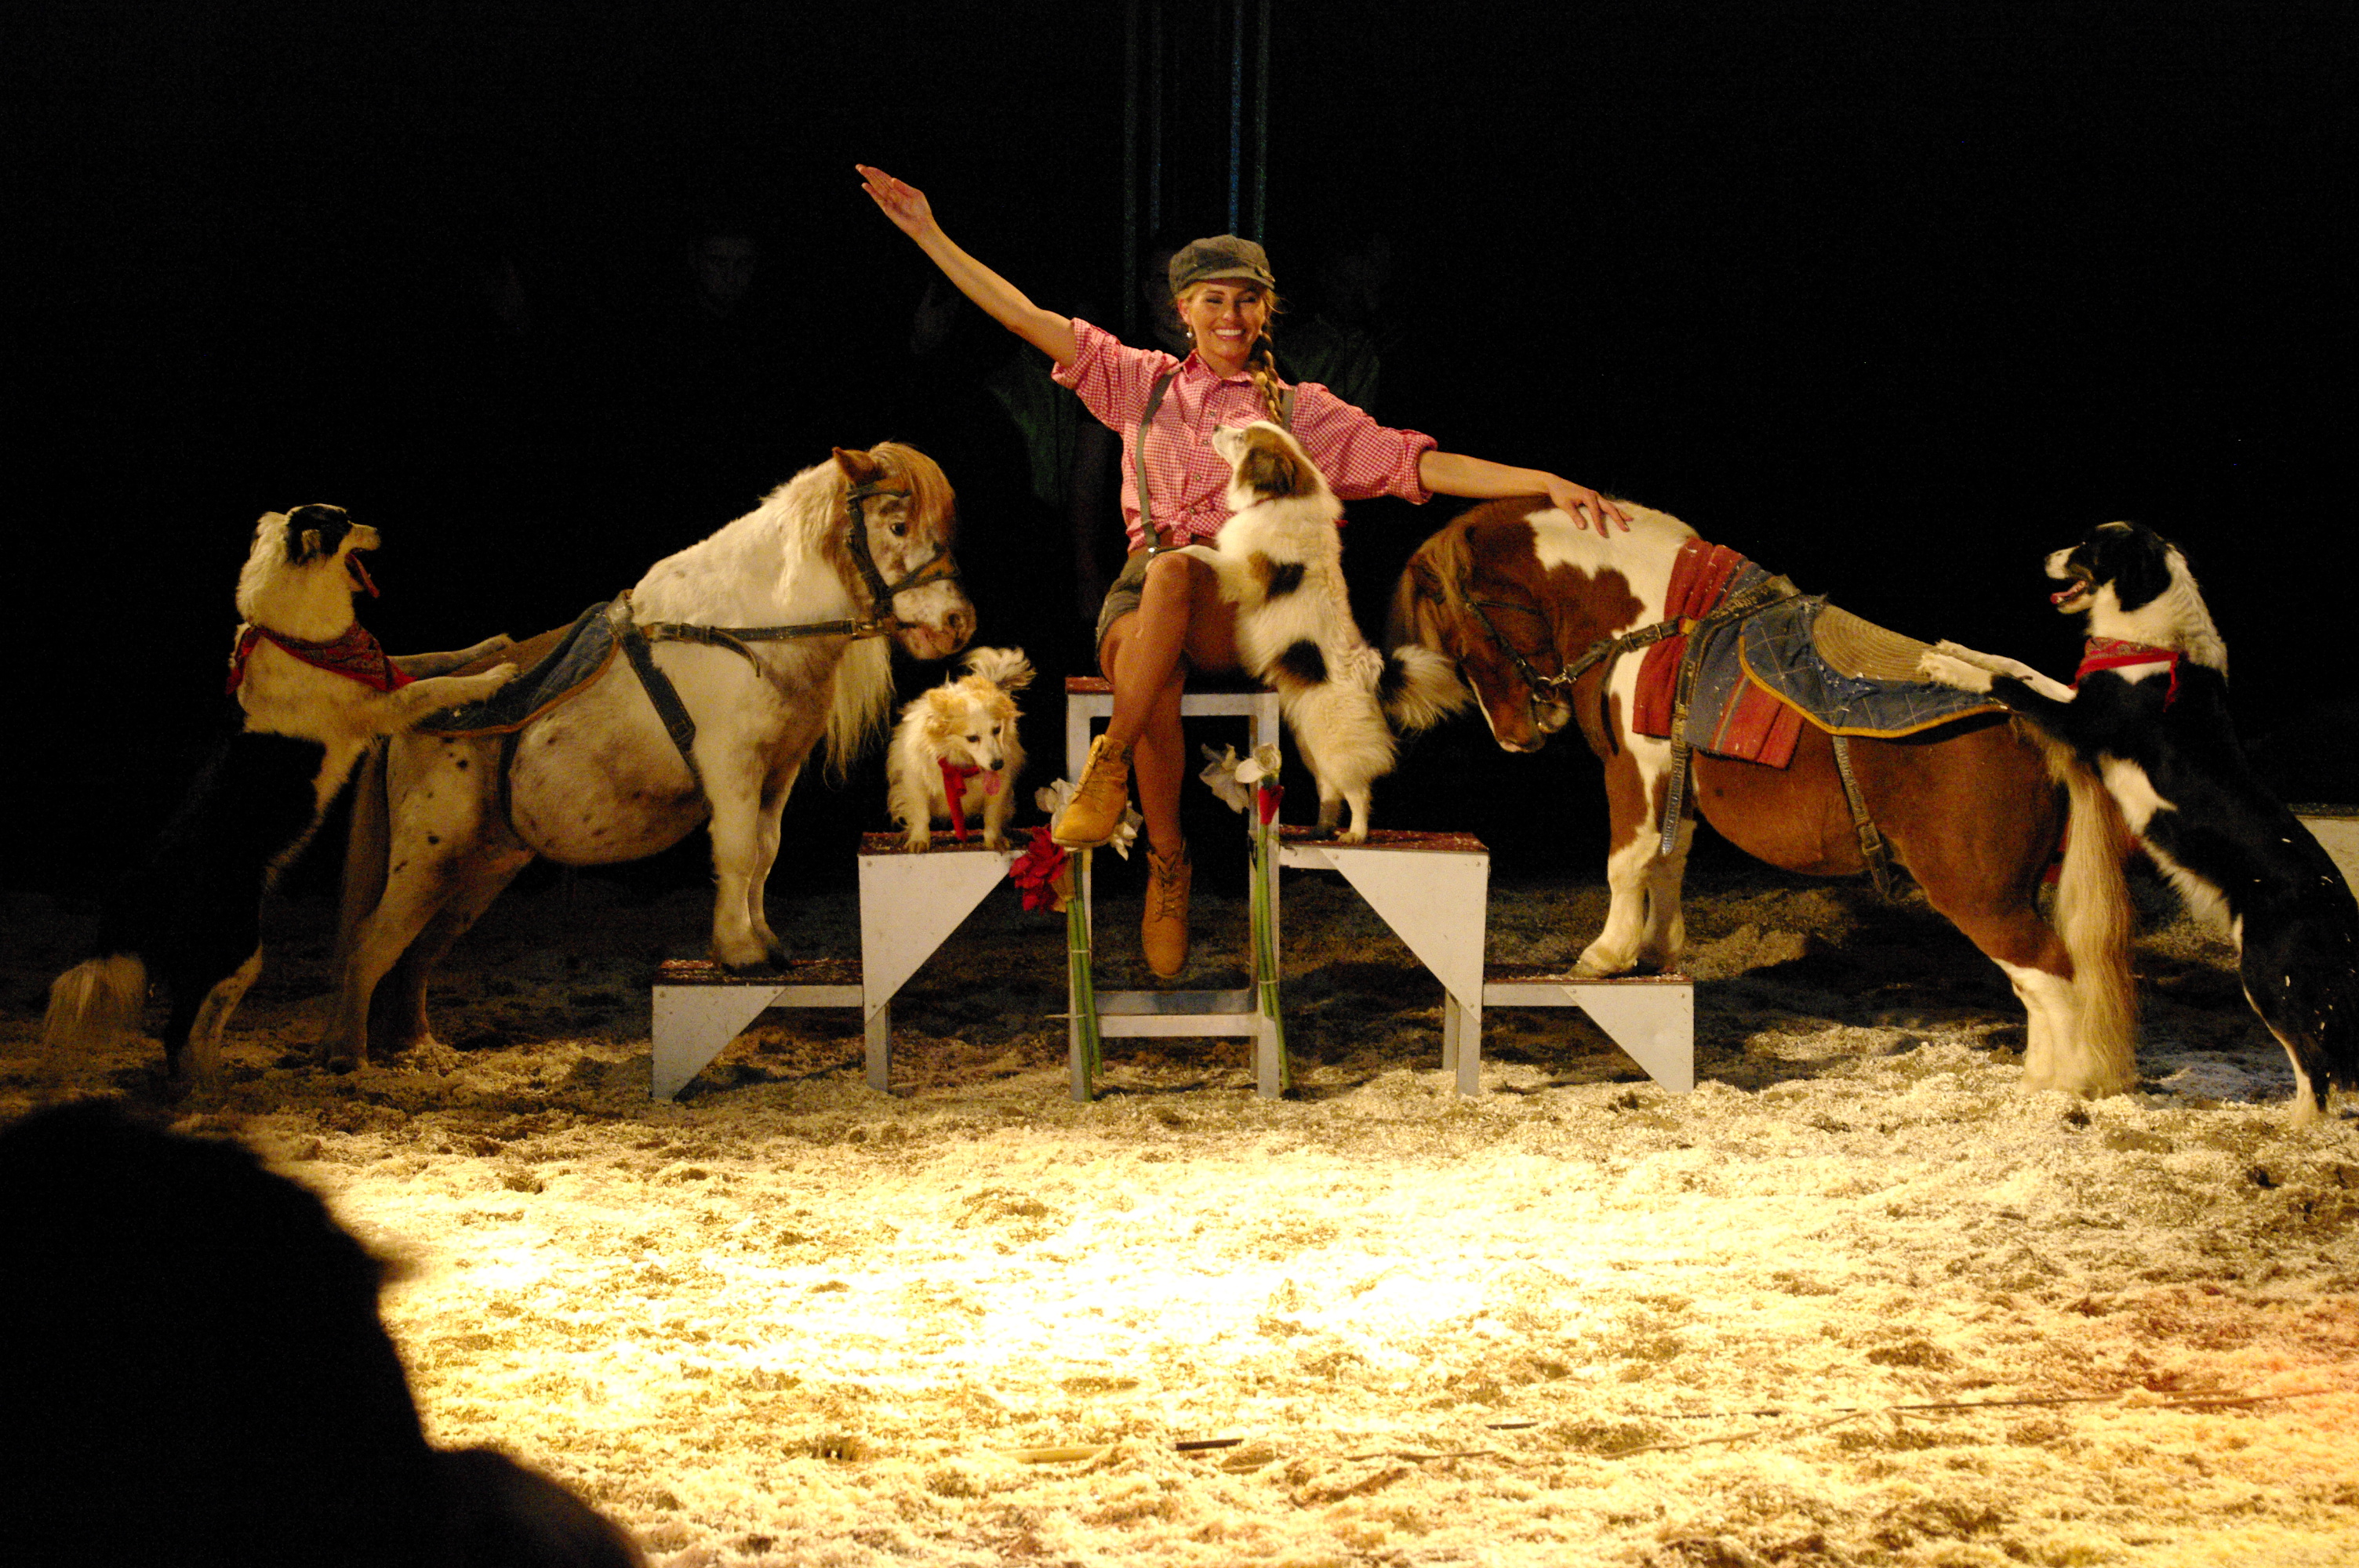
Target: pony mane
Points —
{"points": [[1438, 569], [859, 705]]}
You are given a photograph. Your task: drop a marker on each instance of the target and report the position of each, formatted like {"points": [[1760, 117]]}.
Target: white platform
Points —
{"points": [[1186, 1015], [2336, 829], [1651, 1018], [910, 904], [1433, 890]]}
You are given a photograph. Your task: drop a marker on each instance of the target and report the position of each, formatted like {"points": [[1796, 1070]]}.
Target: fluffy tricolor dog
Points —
{"points": [[956, 750], [2148, 714], [1281, 562], [313, 691]]}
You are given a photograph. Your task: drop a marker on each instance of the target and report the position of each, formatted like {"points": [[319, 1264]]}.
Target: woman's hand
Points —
{"points": [[898, 200], [1583, 506]]}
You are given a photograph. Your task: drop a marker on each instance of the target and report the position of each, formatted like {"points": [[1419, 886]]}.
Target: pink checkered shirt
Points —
{"points": [[1359, 456]]}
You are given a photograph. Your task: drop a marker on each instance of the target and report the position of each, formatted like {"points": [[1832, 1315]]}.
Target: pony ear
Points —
{"points": [[858, 467]]}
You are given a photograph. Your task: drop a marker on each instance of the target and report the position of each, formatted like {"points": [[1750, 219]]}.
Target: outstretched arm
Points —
{"points": [[1005, 303], [1476, 479]]}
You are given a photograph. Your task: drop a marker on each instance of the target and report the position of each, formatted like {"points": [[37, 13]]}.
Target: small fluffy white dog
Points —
{"points": [[1281, 562], [960, 737]]}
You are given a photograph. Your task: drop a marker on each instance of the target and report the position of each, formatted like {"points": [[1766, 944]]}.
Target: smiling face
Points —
{"points": [[1225, 316]]}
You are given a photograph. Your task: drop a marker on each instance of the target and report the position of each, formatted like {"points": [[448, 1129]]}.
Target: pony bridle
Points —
{"points": [[879, 620], [1540, 691], [1557, 689], [881, 593]]}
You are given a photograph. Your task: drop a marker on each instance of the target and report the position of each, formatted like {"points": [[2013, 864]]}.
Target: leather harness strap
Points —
{"points": [[1872, 846], [1769, 591]]}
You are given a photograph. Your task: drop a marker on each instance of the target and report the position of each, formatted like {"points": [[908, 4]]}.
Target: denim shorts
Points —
{"points": [[1129, 587]]}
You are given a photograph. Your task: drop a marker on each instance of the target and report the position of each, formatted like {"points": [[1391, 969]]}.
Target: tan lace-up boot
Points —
{"points": [[1163, 933], [1099, 798]]}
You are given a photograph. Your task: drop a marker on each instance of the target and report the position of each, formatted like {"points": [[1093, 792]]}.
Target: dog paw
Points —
{"points": [[918, 843], [1944, 669]]}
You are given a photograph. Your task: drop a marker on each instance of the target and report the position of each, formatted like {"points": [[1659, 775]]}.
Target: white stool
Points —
{"points": [[1433, 890], [1650, 1017], [1188, 1014], [909, 906]]}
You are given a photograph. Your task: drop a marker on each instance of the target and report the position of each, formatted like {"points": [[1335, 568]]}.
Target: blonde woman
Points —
{"points": [[1164, 615]]}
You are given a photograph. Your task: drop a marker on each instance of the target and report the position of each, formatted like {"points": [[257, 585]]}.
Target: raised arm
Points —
{"points": [[1001, 300], [1476, 479]]}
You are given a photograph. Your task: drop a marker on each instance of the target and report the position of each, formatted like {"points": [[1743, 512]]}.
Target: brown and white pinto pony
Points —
{"points": [[1972, 807], [598, 779]]}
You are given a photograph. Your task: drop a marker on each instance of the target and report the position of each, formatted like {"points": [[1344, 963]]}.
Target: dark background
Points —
{"points": [[1893, 299]]}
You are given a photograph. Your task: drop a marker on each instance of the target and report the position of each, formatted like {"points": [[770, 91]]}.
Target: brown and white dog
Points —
{"points": [[314, 690], [1280, 560], [960, 737]]}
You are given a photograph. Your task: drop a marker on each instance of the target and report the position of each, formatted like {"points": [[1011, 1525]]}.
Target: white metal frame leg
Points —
{"points": [[1184, 1014]]}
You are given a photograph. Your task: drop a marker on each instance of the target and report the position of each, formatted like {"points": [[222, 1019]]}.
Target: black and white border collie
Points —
{"points": [[1281, 562], [314, 690], [2148, 716]]}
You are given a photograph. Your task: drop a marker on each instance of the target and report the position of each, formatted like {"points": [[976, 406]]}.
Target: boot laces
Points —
{"points": [[1170, 888]]}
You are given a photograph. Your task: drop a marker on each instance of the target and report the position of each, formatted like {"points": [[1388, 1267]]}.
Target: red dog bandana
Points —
{"points": [[355, 655], [954, 778], [2113, 654]]}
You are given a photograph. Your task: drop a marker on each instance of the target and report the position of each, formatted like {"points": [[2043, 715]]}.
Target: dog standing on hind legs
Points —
{"points": [[2148, 716], [314, 690], [960, 737], [1281, 562]]}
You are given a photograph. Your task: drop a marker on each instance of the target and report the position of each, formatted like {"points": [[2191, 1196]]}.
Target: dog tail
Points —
{"points": [[92, 1006], [1006, 668], [1419, 688], [2093, 919]]}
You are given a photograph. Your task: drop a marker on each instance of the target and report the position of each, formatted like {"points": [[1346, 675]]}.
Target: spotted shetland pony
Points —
{"points": [[769, 637], [1518, 598]]}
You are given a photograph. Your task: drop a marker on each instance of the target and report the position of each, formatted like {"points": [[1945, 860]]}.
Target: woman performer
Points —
{"points": [[1165, 615]]}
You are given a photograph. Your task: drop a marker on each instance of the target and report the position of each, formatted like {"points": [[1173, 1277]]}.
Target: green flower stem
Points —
{"points": [[1264, 940], [1084, 991]]}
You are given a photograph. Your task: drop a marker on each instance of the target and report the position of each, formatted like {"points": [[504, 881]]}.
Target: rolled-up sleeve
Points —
{"points": [[1360, 457], [1111, 378]]}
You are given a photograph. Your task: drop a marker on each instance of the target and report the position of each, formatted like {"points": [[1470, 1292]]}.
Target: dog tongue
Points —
{"points": [[990, 783], [360, 573], [2061, 594]]}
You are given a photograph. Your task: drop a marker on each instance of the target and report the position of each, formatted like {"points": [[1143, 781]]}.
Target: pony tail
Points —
{"points": [[2094, 918]]}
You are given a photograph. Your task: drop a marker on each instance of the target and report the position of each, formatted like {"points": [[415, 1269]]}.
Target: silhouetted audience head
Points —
{"points": [[195, 1372]]}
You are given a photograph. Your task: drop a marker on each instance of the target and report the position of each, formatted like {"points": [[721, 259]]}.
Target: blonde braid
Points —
{"points": [[1262, 365]]}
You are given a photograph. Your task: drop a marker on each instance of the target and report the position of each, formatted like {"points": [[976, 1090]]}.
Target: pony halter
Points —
{"points": [[881, 594]]}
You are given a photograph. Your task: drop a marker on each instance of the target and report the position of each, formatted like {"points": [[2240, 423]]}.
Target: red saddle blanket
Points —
{"points": [[1731, 717]]}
